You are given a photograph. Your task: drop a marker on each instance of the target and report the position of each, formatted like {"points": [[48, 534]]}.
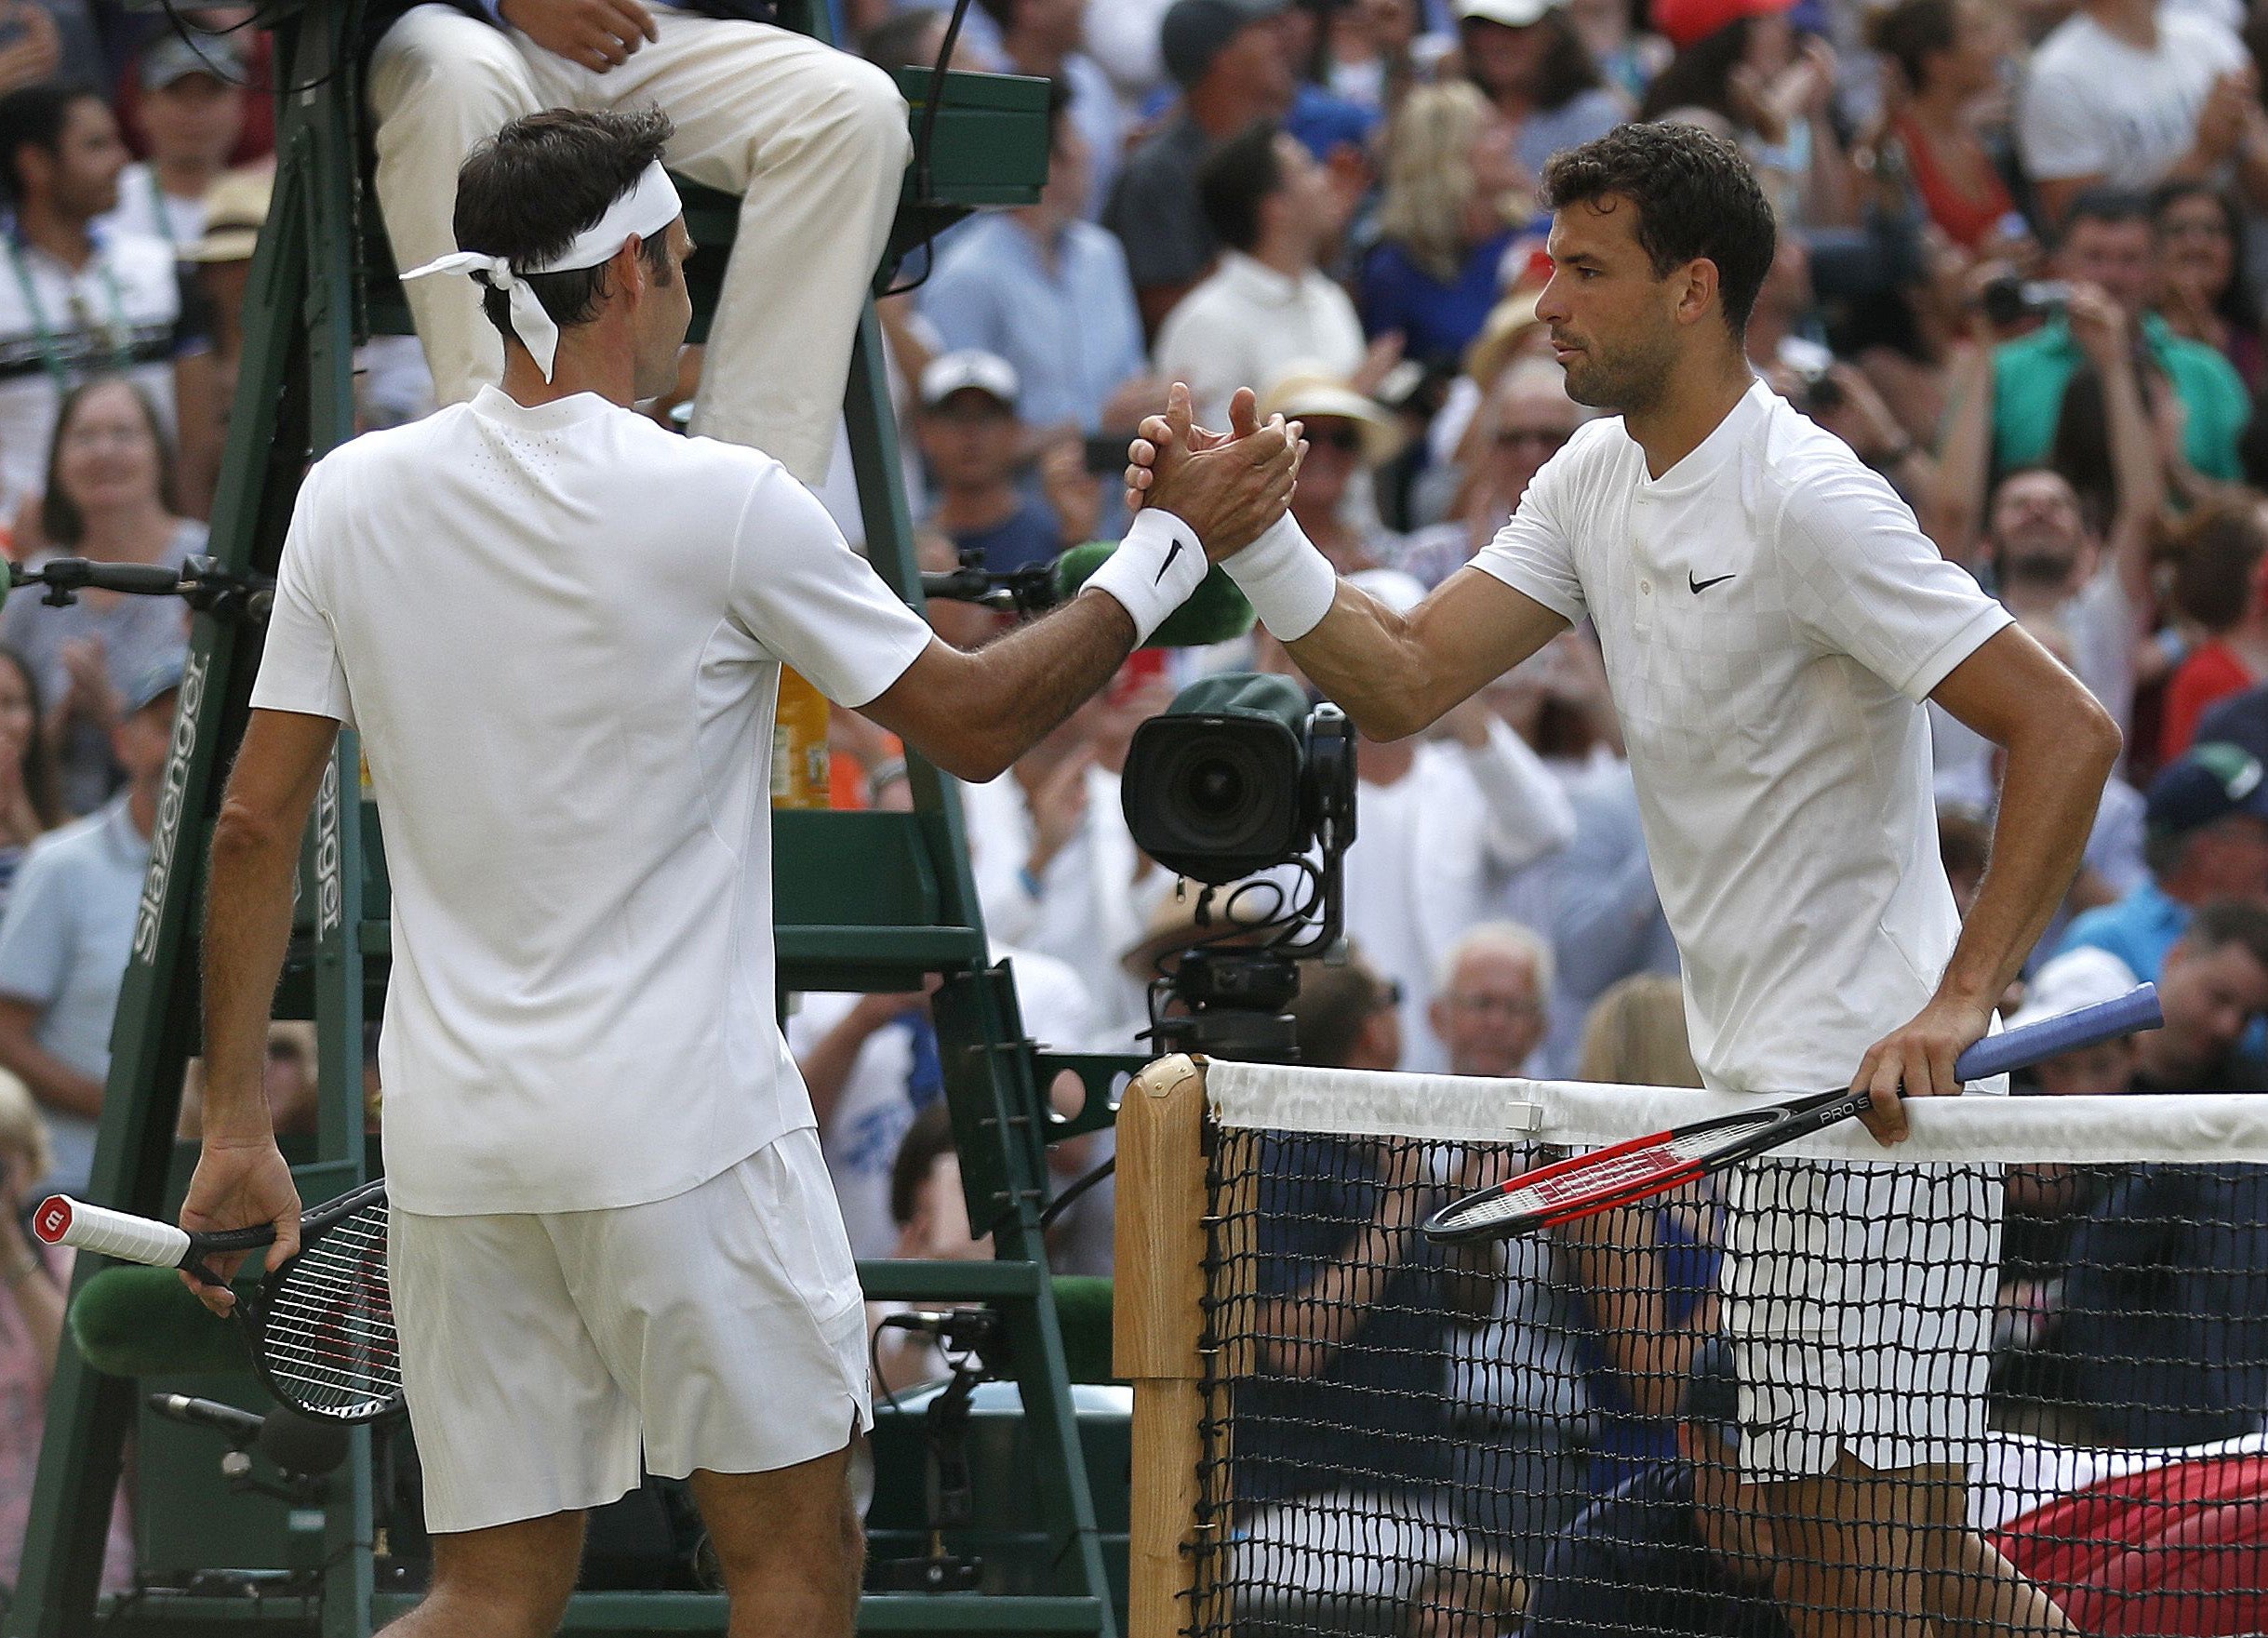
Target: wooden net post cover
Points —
{"points": [[1156, 1323]]}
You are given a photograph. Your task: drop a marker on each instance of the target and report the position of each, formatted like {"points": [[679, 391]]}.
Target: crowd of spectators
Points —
{"points": [[2023, 247]]}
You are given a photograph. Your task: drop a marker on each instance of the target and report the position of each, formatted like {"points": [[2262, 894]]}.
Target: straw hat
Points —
{"points": [[1307, 395], [1509, 324], [235, 205]]}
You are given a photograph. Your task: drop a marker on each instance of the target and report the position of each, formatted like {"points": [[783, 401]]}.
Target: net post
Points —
{"points": [[1157, 1323]]}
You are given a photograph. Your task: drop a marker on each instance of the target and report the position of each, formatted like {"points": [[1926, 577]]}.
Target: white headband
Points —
{"points": [[650, 205]]}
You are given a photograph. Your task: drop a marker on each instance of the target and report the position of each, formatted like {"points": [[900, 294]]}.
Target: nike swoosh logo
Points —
{"points": [[1701, 586], [1170, 555]]}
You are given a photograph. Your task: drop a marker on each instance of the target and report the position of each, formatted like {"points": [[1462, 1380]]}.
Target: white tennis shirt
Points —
{"points": [[559, 632], [1772, 619]]}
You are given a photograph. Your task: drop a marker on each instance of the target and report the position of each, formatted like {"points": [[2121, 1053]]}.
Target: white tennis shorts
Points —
{"points": [[719, 1329], [1858, 1303]]}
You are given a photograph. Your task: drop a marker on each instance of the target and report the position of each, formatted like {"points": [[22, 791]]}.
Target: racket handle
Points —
{"points": [[61, 1220], [2083, 1026]]}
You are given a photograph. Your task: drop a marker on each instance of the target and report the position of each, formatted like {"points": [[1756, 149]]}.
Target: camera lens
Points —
{"points": [[1216, 789]]}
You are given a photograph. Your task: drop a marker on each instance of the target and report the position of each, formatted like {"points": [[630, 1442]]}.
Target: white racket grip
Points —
{"points": [[61, 1220]]}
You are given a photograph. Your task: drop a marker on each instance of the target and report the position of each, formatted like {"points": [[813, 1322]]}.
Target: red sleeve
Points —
{"points": [[2212, 673]]}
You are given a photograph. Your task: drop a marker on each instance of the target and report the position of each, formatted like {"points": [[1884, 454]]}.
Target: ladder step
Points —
{"points": [[906, 1280]]}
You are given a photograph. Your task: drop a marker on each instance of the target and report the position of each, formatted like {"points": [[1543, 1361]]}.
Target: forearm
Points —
{"points": [[2048, 801], [247, 927], [2141, 479], [37, 1298], [1364, 658], [1033, 678], [1303, 1330], [55, 1084], [1958, 495], [826, 1068]]}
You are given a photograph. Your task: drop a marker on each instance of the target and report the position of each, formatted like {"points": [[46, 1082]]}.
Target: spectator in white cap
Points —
{"points": [[1447, 820], [2080, 978], [1528, 59], [1274, 211], [973, 440], [191, 112]]}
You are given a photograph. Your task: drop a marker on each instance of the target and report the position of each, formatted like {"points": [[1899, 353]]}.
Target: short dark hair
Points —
{"points": [[1333, 1004], [928, 1137], [1910, 31], [1697, 200], [2216, 550], [1234, 181], [2229, 920], [526, 192], [60, 518], [2111, 206], [33, 116]]}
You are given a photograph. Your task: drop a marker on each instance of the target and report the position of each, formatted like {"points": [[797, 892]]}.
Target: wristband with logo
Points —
{"points": [[1156, 566]]}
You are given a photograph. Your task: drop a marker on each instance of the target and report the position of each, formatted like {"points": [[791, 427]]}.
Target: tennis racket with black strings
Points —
{"points": [[320, 1328], [1641, 1168]]}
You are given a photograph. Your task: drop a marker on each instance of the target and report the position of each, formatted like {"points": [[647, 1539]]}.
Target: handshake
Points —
{"points": [[1202, 498]]}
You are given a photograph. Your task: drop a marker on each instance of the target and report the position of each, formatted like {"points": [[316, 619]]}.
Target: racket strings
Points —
{"points": [[1603, 1176], [328, 1330]]}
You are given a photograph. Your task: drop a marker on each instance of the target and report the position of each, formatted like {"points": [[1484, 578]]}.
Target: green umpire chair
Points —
{"points": [[865, 900]]}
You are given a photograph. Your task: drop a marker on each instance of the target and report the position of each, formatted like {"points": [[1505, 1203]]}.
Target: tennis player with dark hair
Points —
{"points": [[558, 629], [1773, 621]]}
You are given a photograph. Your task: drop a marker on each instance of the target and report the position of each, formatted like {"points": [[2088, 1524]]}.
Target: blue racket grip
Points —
{"points": [[2083, 1026]]}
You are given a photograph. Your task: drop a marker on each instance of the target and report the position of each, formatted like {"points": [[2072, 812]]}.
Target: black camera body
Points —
{"points": [[2008, 299], [1240, 777]]}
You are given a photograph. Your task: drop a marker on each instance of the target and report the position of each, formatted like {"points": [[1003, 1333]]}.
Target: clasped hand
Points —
{"points": [[1227, 486]]}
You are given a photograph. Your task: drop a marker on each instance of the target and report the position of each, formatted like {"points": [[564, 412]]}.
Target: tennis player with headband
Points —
{"points": [[558, 628], [1773, 621]]}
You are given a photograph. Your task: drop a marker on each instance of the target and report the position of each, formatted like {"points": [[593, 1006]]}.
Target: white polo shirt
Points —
{"points": [[559, 630], [1772, 619], [121, 311]]}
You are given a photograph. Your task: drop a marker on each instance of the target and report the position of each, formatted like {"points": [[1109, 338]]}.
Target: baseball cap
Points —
{"points": [[1688, 22], [2076, 977], [973, 366], [235, 206], [170, 57], [1195, 31], [2206, 783], [161, 678], [1512, 14]]}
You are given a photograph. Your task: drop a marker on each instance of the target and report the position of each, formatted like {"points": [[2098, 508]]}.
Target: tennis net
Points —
{"points": [[2011, 1376]]}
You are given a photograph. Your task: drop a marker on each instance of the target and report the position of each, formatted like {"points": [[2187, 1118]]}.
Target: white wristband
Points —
{"points": [[1154, 569], [1289, 584]]}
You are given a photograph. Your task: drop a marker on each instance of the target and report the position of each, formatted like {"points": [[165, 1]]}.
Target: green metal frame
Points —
{"points": [[864, 901]]}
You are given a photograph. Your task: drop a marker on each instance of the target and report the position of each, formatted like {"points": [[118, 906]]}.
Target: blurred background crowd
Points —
{"points": [[2023, 250]]}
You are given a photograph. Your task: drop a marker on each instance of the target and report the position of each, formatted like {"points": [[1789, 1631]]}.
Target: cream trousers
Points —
{"points": [[812, 140]]}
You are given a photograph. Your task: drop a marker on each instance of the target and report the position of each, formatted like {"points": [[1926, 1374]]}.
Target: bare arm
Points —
{"points": [[975, 713], [2099, 324], [241, 1178], [1964, 465], [52, 1080], [1301, 1330], [2061, 747], [826, 1066], [1397, 673]]}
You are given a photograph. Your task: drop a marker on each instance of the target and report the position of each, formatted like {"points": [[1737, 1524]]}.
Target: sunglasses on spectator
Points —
{"points": [[1345, 437], [1543, 437]]}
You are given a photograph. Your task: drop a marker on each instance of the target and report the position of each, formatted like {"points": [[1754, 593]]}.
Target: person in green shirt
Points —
{"points": [[2108, 242]]}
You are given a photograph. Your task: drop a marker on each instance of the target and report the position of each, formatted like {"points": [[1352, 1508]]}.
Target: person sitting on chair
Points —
{"points": [[813, 139]]}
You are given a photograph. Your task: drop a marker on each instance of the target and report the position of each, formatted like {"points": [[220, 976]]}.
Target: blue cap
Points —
{"points": [[2204, 784], [160, 679]]}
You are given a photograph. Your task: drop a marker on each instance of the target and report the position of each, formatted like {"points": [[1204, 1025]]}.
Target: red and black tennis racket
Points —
{"points": [[320, 1328], [1585, 1185]]}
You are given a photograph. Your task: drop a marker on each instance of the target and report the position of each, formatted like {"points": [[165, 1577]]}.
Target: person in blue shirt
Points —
{"points": [[1671, 1554], [1444, 223], [1050, 293], [2206, 818], [973, 440]]}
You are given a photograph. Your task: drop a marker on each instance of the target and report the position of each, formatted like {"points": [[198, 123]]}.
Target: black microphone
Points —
{"points": [[297, 1443], [241, 1426]]}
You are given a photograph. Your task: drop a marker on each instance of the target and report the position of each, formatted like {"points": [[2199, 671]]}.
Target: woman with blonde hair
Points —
{"points": [[1453, 193], [33, 1281], [1645, 1272]]}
